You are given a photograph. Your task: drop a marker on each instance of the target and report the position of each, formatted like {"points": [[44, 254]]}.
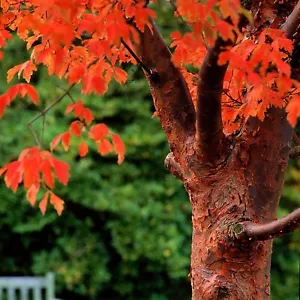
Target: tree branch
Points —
{"points": [[170, 93], [262, 232], [291, 23], [172, 166], [208, 119]]}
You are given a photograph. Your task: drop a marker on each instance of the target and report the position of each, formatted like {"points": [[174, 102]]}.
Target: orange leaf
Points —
{"points": [[55, 141], [61, 170], [44, 202], [98, 132], [83, 149], [75, 128], [88, 116], [66, 140], [105, 147], [13, 176], [32, 193], [119, 147], [57, 203], [47, 173], [70, 108], [293, 109], [120, 75], [12, 72]]}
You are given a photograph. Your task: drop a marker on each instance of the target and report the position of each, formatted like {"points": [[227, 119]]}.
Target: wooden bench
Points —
{"points": [[27, 288]]}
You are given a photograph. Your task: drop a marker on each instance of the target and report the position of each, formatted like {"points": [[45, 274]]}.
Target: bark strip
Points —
{"points": [[262, 232], [208, 119], [169, 90]]}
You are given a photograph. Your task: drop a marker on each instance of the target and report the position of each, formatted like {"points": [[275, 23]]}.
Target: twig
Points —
{"points": [[140, 63], [249, 230], [177, 12], [43, 112], [296, 139]]}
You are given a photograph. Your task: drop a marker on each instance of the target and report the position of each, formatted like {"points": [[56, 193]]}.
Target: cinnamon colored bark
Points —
{"points": [[250, 230], [241, 187], [209, 120], [169, 90]]}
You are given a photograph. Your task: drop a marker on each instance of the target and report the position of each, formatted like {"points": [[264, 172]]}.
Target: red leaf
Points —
{"points": [[70, 108], [43, 203], [88, 116], [119, 147], [13, 176], [105, 147], [47, 173], [61, 170], [120, 75], [32, 193], [55, 141], [75, 128], [83, 149], [98, 132], [66, 140], [3, 103], [23, 89], [30, 166], [57, 203], [293, 109]]}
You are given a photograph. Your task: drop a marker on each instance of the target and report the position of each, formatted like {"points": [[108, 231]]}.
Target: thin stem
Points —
{"points": [[43, 113], [140, 63]]}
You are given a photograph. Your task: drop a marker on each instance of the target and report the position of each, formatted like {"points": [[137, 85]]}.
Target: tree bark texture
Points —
{"points": [[246, 187], [230, 180]]}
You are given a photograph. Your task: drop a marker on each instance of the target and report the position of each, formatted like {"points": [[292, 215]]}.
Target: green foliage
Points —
{"points": [[126, 230]]}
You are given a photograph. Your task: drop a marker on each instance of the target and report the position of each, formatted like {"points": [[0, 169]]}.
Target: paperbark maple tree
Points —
{"points": [[229, 126]]}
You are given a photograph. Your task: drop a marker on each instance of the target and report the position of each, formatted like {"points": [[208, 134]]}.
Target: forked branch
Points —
{"points": [[209, 120], [250, 230], [170, 94]]}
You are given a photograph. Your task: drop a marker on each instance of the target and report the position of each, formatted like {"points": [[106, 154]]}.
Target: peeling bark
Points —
{"points": [[234, 199]]}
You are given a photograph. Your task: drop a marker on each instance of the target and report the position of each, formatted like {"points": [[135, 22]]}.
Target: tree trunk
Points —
{"points": [[246, 185]]}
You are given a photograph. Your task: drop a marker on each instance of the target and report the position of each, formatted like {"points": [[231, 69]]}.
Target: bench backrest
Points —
{"points": [[27, 288]]}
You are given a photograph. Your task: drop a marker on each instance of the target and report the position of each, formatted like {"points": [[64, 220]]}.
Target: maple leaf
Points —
{"points": [[44, 202], [57, 203], [120, 75], [13, 175], [66, 140], [119, 147], [55, 141], [105, 147], [32, 193], [26, 68], [75, 128], [46, 171], [293, 109], [61, 170], [98, 132], [83, 149]]}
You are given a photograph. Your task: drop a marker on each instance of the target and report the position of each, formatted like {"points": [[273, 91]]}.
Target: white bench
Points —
{"points": [[27, 288]]}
